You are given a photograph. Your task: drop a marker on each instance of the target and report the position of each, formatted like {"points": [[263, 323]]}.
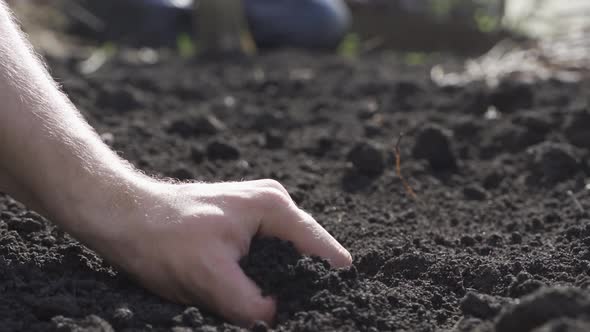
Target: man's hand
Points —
{"points": [[184, 241]]}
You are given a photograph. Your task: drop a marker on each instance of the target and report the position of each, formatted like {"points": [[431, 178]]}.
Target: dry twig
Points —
{"points": [[398, 168], [576, 201]]}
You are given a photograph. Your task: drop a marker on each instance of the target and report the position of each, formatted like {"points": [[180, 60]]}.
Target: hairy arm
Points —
{"points": [[44, 142], [182, 241]]}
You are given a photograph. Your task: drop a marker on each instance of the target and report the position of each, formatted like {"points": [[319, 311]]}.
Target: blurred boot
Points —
{"points": [[310, 24], [152, 23], [221, 28]]}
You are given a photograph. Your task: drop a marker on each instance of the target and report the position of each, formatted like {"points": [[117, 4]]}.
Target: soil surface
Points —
{"points": [[498, 238]]}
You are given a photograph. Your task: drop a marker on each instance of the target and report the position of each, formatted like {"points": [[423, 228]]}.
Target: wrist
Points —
{"points": [[88, 203]]}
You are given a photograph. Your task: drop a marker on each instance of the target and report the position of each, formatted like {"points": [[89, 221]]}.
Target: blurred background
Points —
{"points": [[536, 38]]}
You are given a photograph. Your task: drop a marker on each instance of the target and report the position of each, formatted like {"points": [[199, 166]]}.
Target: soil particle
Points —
{"points": [[534, 121], [47, 307], [24, 225], [493, 179], [298, 281], [260, 121], [576, 128], [192, 124], [433, 143], [274, 139], [543, 306], [259, 327], [413, 262], [372, 129], [512, 95], [91, 323], [182, 173], [368, 158], [208, 124], [367, 109], [409, 265], [190, 317], [515, 238], [485, 278], [481, 305], [511, 138], [524, 284], [564, 325], [108, 138], [407, 95], [222, 150], [553, 162], [113, 97], [474, 193], [122, 317], [197, 153], [472, 324], [467, 241]]}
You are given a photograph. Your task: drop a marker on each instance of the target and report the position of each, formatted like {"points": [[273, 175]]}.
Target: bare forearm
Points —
{"points": [[182, 241], [49, 156]]}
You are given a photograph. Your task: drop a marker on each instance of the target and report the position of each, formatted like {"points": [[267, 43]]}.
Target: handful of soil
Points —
{"points": [[281, 271]]}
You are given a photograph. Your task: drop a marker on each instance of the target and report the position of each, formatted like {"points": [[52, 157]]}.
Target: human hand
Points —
{"points": [[184, 241]]}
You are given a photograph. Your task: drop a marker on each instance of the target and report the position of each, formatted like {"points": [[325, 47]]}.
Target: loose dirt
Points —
{"points": [[492, 222]]}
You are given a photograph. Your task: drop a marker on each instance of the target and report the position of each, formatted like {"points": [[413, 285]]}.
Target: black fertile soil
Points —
{"points": [[497, 240]]}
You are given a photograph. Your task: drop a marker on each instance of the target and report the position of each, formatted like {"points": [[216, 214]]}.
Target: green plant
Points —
{"points": [[350, 47], [484, 21], [415, 58], [185, 45]]}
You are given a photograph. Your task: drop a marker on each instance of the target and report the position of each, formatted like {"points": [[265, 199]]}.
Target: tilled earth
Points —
{"points": [[497, 238]]}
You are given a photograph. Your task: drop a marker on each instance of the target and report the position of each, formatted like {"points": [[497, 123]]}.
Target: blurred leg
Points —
{"points": [[136, 22], [315, 24], [222, 28]]}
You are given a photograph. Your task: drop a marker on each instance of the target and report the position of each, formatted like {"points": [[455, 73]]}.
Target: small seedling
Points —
{"points": [[350, 46], [185, 45], [415, 58]]}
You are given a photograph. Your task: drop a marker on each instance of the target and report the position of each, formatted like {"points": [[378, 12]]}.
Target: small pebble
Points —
{"points": [[368, 158], [480, 305], [122, 317], [515, 238], [192, 317], [542, 306], [197, 154], [512, 95], [433, 143], [89, 323], [474, 193], [467, 241], [182, 173], [194, 125], [259, 326], [221, 150], [553, 162], [576, 129], [108, 138], [208, 124], [274, 139]]}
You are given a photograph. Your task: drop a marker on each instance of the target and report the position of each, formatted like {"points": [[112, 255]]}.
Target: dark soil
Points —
{"points": [[493, 221]]}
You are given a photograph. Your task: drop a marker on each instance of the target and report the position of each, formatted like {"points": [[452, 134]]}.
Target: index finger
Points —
{"points": [[290, 223]]}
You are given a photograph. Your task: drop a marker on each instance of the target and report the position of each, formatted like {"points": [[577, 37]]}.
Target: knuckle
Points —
{"points": [[270, 183], [274, 197]]}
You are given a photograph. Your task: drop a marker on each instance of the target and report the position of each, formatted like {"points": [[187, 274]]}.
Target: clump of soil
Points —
{"points": [[496, 241], [368, 158], [433, 143]]}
